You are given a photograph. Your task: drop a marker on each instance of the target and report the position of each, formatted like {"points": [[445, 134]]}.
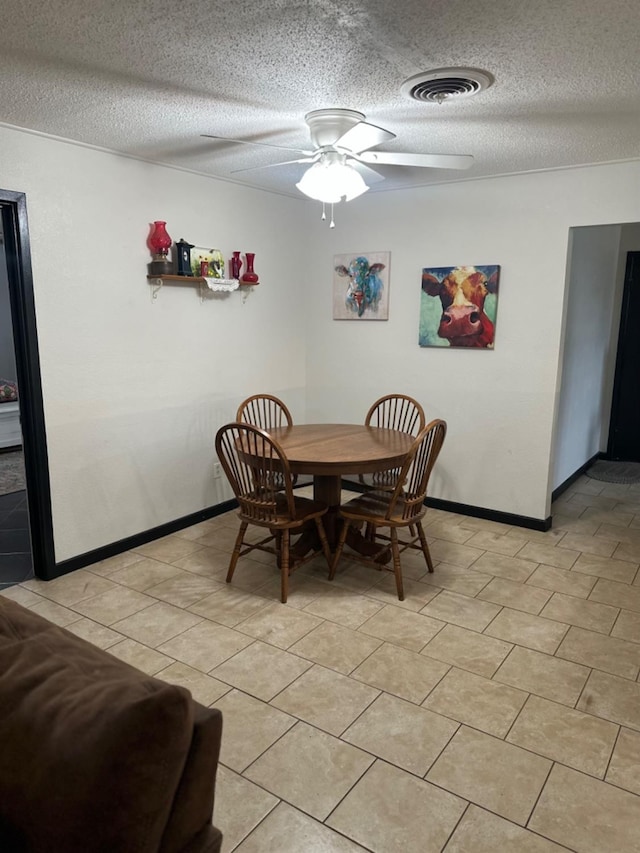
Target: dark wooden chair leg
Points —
{"points": [[284, 568], [425, 546], [338, 552], [236, 550], [397, 570], [324, 541]]}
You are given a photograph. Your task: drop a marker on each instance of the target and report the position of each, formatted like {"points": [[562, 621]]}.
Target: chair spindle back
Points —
{"points": [[258, 472], [413, 480], [397, 411], [264, 411]]}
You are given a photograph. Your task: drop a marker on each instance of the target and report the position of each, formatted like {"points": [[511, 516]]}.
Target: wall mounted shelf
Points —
{"points": [[217, 285]]}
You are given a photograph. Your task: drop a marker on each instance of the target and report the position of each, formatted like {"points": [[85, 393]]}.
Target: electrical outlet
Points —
{"points": [[217, 470]]}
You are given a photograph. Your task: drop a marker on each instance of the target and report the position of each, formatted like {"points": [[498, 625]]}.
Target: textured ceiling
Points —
{"points": [[147, 77]]}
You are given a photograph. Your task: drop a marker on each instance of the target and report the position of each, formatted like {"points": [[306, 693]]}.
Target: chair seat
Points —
{"points": [[385, 480], [305, 509], [308, 508], [373, 506]]}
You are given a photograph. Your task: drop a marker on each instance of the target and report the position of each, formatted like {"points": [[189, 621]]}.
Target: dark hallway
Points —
{"points": [[16, 563]]}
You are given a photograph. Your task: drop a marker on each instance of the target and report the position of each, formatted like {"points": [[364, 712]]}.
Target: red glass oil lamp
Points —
{"points": [[159, 242]]}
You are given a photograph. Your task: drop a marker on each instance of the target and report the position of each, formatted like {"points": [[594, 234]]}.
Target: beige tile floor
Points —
{"points": [[496, 709]]}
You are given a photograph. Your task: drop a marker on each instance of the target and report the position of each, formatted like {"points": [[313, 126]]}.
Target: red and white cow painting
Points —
{"points": [[462, 312]]}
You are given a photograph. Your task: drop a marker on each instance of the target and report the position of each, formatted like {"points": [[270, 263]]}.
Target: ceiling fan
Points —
{"points": [[341, 156]]}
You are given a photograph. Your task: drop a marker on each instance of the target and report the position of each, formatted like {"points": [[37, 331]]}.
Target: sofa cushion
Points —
{"points": [[92, 751]]}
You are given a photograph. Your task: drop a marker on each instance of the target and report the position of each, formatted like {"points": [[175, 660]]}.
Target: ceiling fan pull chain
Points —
{"points": [[332, 224], [324, 215]]}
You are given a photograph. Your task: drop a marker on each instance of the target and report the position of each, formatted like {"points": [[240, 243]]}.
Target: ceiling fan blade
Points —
{"points": [[370, 176], [272, 165], [430, 161], [260, 144], [363, 136]]}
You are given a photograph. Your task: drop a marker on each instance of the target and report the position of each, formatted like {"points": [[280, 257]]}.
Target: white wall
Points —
{"points": [[499, 404], [134, 390], [589, 309]]}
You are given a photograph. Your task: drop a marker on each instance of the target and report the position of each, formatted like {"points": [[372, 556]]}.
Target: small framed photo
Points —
{"points": [[208, 263]]}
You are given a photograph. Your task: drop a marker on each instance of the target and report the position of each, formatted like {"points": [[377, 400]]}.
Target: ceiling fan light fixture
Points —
{"points": [[331, 181]]}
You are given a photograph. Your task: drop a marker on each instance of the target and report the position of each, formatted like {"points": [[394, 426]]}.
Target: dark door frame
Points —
{"points": [[633, 258], [13, 206]]}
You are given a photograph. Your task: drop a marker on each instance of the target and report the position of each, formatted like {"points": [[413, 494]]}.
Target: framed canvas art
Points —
{"points": [[361, 286], [459, 306]]}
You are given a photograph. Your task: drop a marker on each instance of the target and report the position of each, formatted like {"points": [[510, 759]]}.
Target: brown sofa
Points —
{"points": [[95, 756]]}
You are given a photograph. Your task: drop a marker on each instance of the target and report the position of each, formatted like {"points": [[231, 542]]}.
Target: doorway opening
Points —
{"points": [[27, 537], [16, 563], [593, 325], [624, 427]]}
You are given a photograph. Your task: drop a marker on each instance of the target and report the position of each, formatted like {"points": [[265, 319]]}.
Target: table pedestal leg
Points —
{"points": [[327, 489]]}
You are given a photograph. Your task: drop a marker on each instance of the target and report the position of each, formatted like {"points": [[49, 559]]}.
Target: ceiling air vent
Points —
{"points": [[445, 84]]}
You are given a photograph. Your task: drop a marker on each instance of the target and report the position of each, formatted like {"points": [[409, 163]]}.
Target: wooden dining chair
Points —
{"points": [[402, 508], [267, 412], [258, 471], [397, 411], [264, 411], [394, 411]]}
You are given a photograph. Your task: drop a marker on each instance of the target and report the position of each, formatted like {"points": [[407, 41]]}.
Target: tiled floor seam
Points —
{"points": [[615, 743], [590, 777], [298, 807], [265, 750], [615, 622], [596, 668], [486, 627], [339, 803], [355, 719], [361, 748], [454, 830], [347, 674], [211, 671], [517, 716], [253, 829], [542, 787], [238, 627]]}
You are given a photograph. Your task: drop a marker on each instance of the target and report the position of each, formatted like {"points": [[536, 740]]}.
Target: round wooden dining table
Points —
{"points": [[328, 451]]}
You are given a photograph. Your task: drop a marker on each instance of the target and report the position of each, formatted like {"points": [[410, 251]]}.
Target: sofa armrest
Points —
{"points": [[95, 755], [193, 803]]}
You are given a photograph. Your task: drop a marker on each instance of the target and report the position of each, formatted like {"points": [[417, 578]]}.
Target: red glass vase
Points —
{"points": [[159, 240], [249, 276], [236, 265]]}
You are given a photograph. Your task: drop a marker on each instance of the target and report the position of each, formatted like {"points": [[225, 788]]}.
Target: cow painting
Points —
{"points": [[360, 286], [459, 306]]}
